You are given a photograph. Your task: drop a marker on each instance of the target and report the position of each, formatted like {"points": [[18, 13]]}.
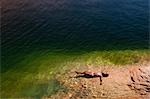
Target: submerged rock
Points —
{"points": [[140, 80], [131, 82]]}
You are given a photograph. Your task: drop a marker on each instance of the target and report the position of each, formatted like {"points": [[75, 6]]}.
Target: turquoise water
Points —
{"points": [[38, 35]]}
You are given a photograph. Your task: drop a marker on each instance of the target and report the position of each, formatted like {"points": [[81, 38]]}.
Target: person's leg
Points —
{"points": [[78, 72]]}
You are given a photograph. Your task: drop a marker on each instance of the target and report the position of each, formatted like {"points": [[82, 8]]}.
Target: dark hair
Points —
{"points": [[105, 74]]}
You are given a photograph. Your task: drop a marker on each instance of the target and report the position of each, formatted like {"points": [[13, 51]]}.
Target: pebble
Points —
{"points": [[94, 96]]}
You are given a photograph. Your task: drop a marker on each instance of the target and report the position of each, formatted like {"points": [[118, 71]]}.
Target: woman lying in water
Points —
{"points": [[87, 74]]}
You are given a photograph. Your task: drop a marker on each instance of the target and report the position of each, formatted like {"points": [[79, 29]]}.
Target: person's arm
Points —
{"points": [[100, 78]]}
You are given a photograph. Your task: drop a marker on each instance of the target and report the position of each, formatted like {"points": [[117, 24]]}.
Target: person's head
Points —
{"points": [[105, 74]]}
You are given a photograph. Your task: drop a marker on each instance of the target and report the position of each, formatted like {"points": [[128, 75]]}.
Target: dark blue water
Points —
{"points": [[75, 23], [87, 25]]}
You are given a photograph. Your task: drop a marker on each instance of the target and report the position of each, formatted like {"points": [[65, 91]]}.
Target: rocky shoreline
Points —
{"points": [[128, 82]]}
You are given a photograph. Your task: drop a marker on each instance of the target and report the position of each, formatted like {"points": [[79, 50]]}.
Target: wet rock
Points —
{"points": [[94, 96], [140, 80], [131, 82]]}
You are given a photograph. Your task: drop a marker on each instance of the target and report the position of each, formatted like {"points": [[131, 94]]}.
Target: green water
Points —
{"points": [[34, 74]]}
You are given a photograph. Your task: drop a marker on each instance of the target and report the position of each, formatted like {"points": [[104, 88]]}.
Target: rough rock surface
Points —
{"points": [[129, 82], [140, 80]]}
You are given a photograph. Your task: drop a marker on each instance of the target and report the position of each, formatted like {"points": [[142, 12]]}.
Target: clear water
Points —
{"points": [[73, 25]]}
